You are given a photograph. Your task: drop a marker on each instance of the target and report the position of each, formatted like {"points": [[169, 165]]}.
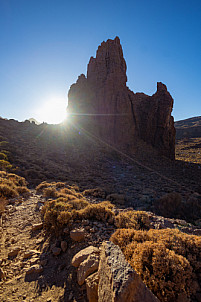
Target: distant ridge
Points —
{"points": [[188, 128]]}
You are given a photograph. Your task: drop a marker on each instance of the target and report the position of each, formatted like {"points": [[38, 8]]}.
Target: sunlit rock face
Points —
{"points": [[103, 105]]}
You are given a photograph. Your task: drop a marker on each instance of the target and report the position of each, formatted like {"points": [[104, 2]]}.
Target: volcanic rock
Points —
{"points": [[118, 282], [102, 105]]}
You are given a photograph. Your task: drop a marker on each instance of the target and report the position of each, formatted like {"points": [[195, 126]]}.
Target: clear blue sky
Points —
{"points": [[46, 44]]}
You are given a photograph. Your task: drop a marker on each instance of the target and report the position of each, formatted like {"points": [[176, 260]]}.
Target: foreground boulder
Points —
{"points": [[109, 277], [118, 282], [103, 105]]}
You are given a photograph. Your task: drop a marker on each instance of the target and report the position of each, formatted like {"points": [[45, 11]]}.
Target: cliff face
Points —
{"points": [[103, 105]]}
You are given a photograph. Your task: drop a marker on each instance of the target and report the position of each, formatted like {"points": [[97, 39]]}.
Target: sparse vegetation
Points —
{"points": [[12, 185], [171, 205], [138, 220], [168, 261], [70, 205]]}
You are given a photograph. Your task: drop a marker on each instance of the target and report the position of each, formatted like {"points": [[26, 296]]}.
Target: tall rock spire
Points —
{"points": [[106, 107]]}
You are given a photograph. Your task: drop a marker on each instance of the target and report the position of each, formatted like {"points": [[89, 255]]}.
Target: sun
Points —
{"points": [[52, 111]]}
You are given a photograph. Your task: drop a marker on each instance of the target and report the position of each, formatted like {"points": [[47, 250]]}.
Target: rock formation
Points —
{"points": [[103, 105], [109, 277]]}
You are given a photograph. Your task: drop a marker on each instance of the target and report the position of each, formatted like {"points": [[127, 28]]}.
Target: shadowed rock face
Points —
{"points": [[103, 105]]}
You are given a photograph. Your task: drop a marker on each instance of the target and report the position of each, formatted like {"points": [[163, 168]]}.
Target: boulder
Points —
{"points": [[83, 254], [87, 267], [118, 282]]}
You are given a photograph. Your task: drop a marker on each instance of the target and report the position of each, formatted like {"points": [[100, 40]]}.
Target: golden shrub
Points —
{"points": [[12, 185], [43, 185], [101, 211], [7, 192], [97, 192], [60, 212], [23, 190], [168, 261], [50, 192], [133, 219]]}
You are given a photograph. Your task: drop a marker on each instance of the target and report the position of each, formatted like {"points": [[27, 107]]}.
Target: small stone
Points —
{"points": [[37, 226], [34, 269], [64, 246], [14, 252], [83, 254], [56, 251], [77, 235], [30, 253]]}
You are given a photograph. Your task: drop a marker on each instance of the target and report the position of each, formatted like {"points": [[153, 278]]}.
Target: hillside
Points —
{"points": [[93, 171], [188, 128], [188, 140]]}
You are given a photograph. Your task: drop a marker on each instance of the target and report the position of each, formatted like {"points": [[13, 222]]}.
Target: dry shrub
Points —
{"points": [[50, 192], [60, 185], [167, 274], [3, 156], [23, 191], [58, 189], [101, 211], [168, 261], [61, 212], [7, 192], [169, 205], [5, 165], [133, 219], [12, 185], [43, 185], [97, 192]]}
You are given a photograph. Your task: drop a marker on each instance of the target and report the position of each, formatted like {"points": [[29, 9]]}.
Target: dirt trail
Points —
{"points": [[18, 238]]}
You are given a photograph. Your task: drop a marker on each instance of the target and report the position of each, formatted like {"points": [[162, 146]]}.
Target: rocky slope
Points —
{"points": [[102, 104]]}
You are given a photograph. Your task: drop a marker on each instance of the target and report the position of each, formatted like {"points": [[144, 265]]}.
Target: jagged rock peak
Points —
{"points": [[114, 113], [161, 87], [109, 60]]}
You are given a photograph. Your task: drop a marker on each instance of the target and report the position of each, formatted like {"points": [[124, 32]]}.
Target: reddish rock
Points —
{"points": [[77, 235], [103, 105]]}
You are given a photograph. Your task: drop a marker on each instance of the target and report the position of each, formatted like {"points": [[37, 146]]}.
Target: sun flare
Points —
{"points": [[52, 111]]}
